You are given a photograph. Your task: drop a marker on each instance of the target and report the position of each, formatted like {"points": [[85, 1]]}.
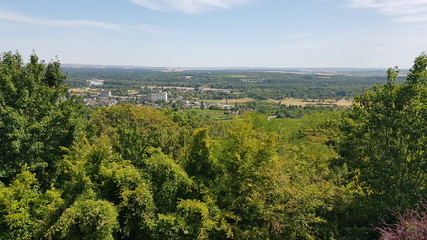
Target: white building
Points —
{"points": [[105, 94], [159, 96]]}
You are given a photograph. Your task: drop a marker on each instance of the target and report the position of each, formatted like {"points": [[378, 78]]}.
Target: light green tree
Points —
{"points": [[266, 192], [93, 173], [25, 211], [134, 130]]}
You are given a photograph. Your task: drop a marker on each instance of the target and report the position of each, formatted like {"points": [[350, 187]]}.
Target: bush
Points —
{"points": [[411, 225]]}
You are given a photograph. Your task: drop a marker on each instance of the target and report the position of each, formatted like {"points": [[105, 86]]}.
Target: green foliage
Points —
{"points": [[35, 120], [193, 219], [150, 174], [86, 219], [169, 180], [135, 129], [95, 172], [26, 212], [269, 189], [199, 161], [384, 138]]}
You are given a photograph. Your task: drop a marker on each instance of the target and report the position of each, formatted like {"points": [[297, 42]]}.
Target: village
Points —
{"points": [[97, 97]]}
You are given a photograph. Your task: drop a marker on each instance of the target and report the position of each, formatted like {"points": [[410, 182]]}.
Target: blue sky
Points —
{"points": [[218, 33]]}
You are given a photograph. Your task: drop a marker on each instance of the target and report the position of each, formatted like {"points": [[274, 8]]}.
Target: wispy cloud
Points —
{"points": [[189, 6], [152, 29], [400, 10], [17, 17], [21, 18]]}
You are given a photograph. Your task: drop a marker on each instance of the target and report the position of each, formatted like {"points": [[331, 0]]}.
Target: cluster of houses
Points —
{"points": [[154, 96], [204, 105], [100, 102], [105, 98]]}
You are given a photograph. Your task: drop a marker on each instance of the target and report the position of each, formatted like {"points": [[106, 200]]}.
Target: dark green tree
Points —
{"points": [[35, 118], [199, 161], [384, 141]]}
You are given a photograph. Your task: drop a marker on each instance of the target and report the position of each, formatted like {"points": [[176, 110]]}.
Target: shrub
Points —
{"points": [[411, 225]]}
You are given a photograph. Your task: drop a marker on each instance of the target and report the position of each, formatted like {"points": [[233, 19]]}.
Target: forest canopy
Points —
{"points": [[132, 172]]}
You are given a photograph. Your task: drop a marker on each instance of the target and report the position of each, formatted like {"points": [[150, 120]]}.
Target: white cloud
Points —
{"points": [[21, 18], [189, 6], [400, 10], [16, 17]]}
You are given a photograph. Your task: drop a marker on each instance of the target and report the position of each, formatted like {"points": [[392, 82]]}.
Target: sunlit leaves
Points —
{"points": [[26, 212], [86, 219], [384, 141]]}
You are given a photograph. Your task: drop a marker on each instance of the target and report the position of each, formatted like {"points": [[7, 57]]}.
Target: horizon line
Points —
{"points": [[123, 66]]}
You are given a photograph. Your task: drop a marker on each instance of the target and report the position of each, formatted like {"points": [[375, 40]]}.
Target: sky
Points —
{"points": [[218, 33]]}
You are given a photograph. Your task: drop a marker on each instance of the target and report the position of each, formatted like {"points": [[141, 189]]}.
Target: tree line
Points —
{"points": [[256, 84]]}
